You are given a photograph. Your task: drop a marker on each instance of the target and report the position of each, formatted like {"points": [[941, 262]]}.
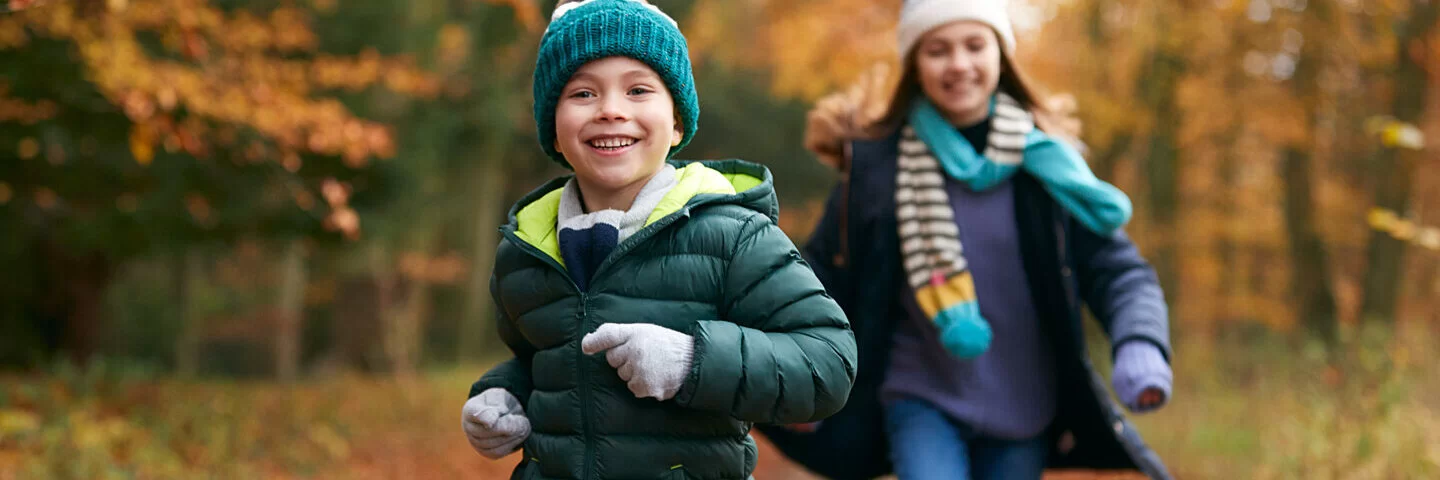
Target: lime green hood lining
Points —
{"points": [[537, 221]]}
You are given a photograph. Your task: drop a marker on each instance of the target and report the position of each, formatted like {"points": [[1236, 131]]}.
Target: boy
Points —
{"points": [[654, 308]]}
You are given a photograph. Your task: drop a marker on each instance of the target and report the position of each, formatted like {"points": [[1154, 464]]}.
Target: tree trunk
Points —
{"points": [[85, 326], [1309, 259], [1104, 161], [1396, 166], [491, 134], [408, 329], [291, 311], [1162, 169], [387, 290], [188, 270], [476, 326], [76, 298], [358, 305], [1231, 250], [404, 303], [1310, 262]]}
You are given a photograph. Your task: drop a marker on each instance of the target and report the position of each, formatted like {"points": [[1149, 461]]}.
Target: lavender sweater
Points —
{"points": [[1009, 392]]}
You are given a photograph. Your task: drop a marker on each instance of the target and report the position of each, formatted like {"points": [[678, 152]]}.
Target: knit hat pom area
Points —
{"points": [[920, 16], [588, 30]]}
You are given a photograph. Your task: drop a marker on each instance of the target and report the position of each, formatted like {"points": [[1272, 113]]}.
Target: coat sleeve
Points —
{"points": [[823, 249], [1121, 289], [785, 352], [513, 374]]}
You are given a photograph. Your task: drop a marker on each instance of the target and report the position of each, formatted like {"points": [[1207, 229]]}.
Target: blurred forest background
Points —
{"points": [[252, 238]]}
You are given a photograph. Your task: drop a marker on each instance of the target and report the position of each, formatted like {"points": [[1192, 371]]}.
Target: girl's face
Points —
{"points": [[958, 65], [615, 124]]}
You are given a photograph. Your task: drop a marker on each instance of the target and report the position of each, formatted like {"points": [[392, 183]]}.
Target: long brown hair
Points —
{"points": [[875, 107]]}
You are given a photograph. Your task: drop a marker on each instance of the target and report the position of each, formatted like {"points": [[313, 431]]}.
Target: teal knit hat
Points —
{"points": [[590, 30]]}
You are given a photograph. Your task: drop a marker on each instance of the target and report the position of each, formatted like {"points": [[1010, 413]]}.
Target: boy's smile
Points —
{"points": [[612, 145]]}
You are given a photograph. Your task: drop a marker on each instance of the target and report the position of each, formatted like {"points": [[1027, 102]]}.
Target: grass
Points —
{"points": [[99, 427], [1260, 407], [1265, 409]]}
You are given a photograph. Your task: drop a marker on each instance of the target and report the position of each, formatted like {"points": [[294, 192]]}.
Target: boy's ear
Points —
{"points": [[679, 131]]}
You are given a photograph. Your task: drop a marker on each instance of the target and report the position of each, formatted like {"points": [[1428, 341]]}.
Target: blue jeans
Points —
{"points": [[926, 444]]}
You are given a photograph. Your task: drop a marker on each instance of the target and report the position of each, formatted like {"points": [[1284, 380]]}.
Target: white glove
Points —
{"points": [[495, 423], [651, 359]]}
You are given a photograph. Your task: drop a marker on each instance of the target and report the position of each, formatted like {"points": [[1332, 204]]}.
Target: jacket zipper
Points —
{"points": [[585, 390], [582, 315]]}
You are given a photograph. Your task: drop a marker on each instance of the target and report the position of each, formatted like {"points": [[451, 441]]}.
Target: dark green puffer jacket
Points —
{"points": [[770, 345]]}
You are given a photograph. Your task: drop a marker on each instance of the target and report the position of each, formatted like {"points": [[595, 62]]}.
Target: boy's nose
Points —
{"points": [[611, 110]]}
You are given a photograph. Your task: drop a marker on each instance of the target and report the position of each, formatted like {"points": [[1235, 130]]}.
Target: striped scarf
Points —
{"points": [[934, 260], [587, 239], [935, 265]]}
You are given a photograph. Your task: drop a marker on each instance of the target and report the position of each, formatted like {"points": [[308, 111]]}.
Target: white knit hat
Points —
{"points": [[920, 16]]}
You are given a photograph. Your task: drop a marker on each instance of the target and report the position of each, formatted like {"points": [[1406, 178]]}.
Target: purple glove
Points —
{"points": [[1142, 377]]}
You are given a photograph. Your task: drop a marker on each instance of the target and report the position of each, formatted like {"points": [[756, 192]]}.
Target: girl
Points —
{"points": [[654, 308], [961, 242]]}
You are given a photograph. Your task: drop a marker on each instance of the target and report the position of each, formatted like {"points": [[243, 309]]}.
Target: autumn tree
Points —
{"points": [[166, 124], [1403, 147]]}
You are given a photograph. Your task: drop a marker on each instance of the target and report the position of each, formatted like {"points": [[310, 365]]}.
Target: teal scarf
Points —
{"points": [[1099, 206], [933, 257]]}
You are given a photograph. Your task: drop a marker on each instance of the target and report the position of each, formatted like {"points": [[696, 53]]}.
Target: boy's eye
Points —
{"points": [[640, 91], [582, 94]]}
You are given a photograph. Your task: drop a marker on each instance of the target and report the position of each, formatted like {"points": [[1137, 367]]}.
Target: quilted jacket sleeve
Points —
{"points": [[785, 352]]}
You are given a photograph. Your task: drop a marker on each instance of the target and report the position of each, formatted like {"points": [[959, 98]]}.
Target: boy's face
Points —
{"points": [[615, 124]]}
